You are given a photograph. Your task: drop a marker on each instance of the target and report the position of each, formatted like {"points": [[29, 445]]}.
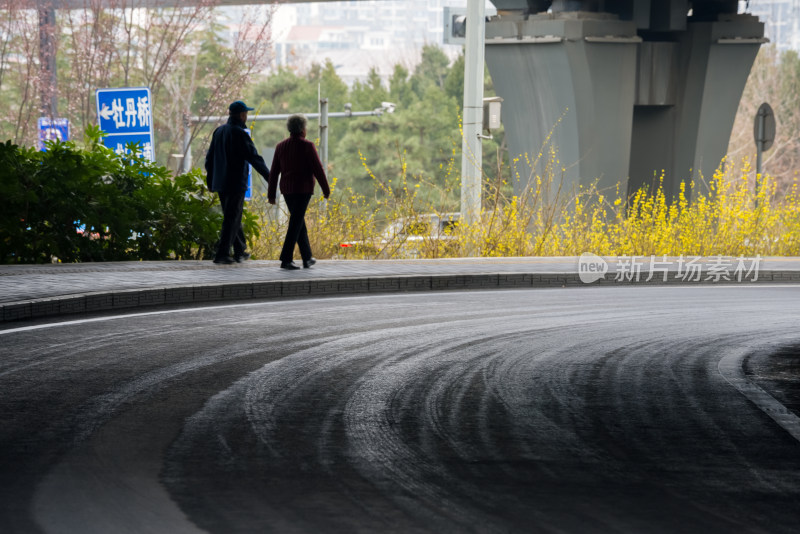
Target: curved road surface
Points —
{"points": [[564, 410]]}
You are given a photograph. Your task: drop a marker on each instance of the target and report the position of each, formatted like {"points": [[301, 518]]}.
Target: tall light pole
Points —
{"points": [[471, 153]]}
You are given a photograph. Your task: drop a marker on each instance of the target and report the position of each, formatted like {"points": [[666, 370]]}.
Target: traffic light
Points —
{"points": [[459, 28], [455, 25]]}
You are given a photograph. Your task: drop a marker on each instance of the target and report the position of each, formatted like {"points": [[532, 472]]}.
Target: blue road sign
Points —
{"points": [[249, 193], [125, 114], [52, 130]]}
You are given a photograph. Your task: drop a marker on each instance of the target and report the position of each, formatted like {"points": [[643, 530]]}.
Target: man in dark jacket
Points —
{"points": [[297, 163], [226, 174]]}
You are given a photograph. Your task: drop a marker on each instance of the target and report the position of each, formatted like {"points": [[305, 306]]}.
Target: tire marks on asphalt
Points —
{"points": [[528, 410]]}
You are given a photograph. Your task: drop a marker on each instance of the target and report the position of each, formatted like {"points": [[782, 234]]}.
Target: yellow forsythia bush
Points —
{"points": [[729, 217]]}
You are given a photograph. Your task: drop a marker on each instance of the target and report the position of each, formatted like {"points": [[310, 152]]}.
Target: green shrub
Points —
{"points": [[75, 204]]}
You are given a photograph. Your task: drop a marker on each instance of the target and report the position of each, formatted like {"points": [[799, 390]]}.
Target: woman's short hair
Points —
{"points": [[296, 123]]}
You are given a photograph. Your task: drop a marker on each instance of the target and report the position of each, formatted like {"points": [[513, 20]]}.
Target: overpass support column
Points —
{"points": [[688, 94], [624, 97], [568, 80]]}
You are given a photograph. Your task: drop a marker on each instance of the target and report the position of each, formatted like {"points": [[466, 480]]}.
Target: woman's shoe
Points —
{"points": [[309, 262], [289, 265]]}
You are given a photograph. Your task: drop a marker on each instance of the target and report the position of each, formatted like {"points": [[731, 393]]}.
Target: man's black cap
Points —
{"points": [[239, 106]]}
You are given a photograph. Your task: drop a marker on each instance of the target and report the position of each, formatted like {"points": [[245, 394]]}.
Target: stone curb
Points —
{"points": [[195, 294]]}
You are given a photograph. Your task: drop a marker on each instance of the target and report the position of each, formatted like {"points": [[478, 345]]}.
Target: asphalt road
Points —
{"points": [[633, 409]]}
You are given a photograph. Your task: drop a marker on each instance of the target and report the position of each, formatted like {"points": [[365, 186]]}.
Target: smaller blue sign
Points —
{"points": [[52, 130], [118, 143], [249, 193]]}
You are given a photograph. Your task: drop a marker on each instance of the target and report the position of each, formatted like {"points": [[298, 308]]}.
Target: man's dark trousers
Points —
{"points": [[231, 234], [296, 233]]}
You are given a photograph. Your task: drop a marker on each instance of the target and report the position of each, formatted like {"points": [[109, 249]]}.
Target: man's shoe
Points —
{"points": [[308, 263], [244, 256], [224, 260], [289, 265]]}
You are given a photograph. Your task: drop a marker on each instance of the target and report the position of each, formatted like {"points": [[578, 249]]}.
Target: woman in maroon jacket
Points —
{"points": [[297, 163]]}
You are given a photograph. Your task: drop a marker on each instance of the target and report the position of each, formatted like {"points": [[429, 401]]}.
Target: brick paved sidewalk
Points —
{"points": [[31, 291]]}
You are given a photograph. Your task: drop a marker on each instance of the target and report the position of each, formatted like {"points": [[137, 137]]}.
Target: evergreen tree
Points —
{"points": [[369, 94], [432, 69], [400, 89]]}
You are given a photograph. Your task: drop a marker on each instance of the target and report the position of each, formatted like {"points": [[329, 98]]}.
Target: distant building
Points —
{"points": [[781, 18], [359, 35]]}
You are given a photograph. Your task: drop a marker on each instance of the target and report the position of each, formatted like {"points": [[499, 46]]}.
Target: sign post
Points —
{"points": [[125, 115]]}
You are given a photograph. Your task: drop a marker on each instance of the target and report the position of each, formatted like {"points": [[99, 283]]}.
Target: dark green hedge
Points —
{"points": [[71, 204]]}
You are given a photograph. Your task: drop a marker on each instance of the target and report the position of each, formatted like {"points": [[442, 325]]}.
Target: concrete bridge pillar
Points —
{"points": [[624, 90], [568, 79], [682, 124]]}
